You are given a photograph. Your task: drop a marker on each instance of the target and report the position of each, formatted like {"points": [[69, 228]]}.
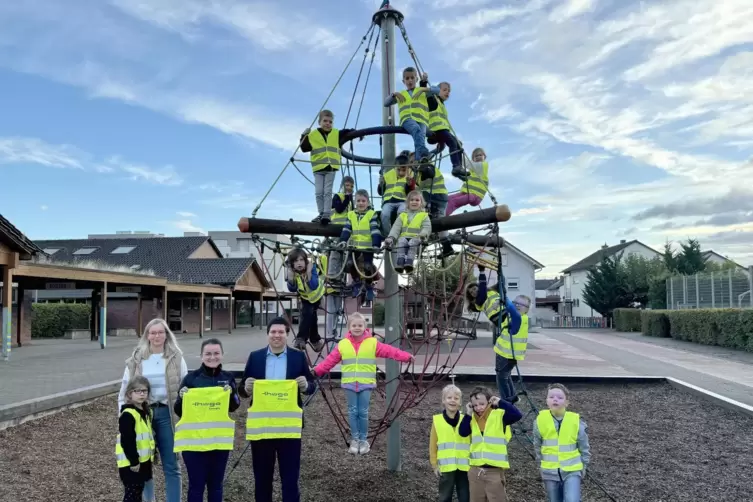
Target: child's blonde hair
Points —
{"points": [[561, 387], [451, 389], [326, 113], [354, 316], [134, 383], [418, 194], [523, 303], [478, 150]]}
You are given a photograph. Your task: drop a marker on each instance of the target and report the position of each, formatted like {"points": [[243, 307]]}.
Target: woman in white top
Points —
{"points": [[158, 358]]}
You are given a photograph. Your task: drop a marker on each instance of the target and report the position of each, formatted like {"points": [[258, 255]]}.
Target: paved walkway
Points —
{"points": [[48, 367]]}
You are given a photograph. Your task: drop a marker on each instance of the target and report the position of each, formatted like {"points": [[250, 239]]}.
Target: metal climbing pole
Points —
{"points": [[387, 18]]}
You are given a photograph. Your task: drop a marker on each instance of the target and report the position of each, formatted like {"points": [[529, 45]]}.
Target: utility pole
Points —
{"points": [[387, 18]]}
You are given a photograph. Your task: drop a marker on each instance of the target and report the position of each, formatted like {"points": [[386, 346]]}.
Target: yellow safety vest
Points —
{"points": [[205, 424], [559, 450], [144, 440], [325, 152], [434, 185], [360, 235], [519, 340], [453, 450], [306, 292], [491, 306], [394, 187], [341, 218], [414, 108], [322, 265], [358, 367], [477, 185], [438, 119], [412, 228], [274, 411], [490, 448]]}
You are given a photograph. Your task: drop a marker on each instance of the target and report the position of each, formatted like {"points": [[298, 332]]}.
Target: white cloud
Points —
{"points": [[572, 8], [186, 214], [163, 176], [186, 225], [17, 150], [43, 207]]}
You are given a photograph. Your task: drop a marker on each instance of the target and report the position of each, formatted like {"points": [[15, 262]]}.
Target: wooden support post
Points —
{"points": [[103, 317], [139, 313], [164, 305], [19, 314], [201, 315], [7, 303], [94, 314], [231, 314]]}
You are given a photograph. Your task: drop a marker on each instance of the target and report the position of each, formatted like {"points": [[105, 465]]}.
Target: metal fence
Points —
{"points": [[725, 289], [566, 321]]}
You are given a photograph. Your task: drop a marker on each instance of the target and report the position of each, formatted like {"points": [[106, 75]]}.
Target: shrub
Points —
{"points": [[730, 328], [655, 323], [627, 319], [378, 317], [52, 320]]}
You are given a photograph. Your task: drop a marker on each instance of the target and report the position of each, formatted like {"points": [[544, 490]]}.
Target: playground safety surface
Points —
{"points": [[650, 443]]}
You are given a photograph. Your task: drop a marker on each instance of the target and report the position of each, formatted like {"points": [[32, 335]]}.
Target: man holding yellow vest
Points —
{"points": [[274, 379]]}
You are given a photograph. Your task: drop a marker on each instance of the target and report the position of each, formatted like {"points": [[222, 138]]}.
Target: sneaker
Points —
{"points": [[370, 293], [363, 447], [318, 345], [408, 265], [460, 173], [447, 250], [317, 219], [355, 446], [400, 265], [324, 220], [300, 344]]}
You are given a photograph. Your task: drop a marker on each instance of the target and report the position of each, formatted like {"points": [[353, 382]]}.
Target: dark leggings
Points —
{"points": [[446, 137], [133, 491], [308, 329]]}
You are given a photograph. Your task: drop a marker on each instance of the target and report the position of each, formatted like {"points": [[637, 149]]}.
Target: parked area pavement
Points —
{"points": [[48, 367]]}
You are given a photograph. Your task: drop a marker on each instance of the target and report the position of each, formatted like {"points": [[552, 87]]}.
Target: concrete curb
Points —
{"points": [[713, 397], [18, 413]]}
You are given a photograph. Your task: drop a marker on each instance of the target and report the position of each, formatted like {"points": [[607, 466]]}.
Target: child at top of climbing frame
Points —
{"points": [[440, 130], [411, 229], [358, 351], [560, 440], [361, 231], [487, 422], [342, 202], [393, 186], [302, 277], [475, 187], [325, 145], [449, 454], [413, 109]]}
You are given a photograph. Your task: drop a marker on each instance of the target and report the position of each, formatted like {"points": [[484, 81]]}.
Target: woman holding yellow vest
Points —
{"points": [[560, 440], [205, 432], [134, 446], [449, 453], [488, 422], [358, 352], [302, 277], [411, 229], [475, 187]]}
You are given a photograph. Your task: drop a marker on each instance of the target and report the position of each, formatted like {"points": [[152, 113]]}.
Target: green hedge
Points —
{"points": [[51, 320], [655, 323], [378, 314], [732, 328], [627, 320]]}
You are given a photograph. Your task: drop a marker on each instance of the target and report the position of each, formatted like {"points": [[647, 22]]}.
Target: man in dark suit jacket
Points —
{"points": [[277, 362]]}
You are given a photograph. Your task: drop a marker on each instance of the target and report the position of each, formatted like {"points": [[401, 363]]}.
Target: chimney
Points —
{"points": [[604, 246], [622, 241]]}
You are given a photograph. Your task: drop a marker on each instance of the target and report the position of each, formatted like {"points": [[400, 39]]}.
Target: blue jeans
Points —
{"points": [[164, 436], [418, 133], [563, 491], [206, 470], [358, 412], [388, 208], [503, 367]]}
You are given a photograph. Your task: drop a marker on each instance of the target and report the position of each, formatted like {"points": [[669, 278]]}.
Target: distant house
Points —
{"points": [[711, 256], [548, 297]]}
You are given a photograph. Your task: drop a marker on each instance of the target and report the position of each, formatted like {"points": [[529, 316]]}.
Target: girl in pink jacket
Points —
{"points": [[358, 352]]}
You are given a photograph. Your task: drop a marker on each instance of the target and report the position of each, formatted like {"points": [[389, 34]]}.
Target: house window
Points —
{"points": [[51, 251], [504, 259], [85, 250], [123, 249], [13, 296], [244, 245], [512, 283]]}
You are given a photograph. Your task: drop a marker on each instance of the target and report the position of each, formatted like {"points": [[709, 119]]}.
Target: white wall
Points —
{"points": [[239, 245], [516, 269]]}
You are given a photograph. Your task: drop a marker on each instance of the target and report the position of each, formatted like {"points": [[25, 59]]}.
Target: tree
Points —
{"points": [[690, 259], [606, 286], [669, 257], [640, 273]]}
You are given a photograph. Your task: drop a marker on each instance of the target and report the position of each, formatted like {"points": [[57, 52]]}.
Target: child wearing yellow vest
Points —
{"points": [[302, 277], [361, 232], [475, 187], [560, 440], [411, 229], [449, 454], [135, 447], [393, 186], [357, 353], [488, 422]]}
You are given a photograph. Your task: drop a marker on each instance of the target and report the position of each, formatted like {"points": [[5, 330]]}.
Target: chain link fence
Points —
{"points": [[715, 290]]}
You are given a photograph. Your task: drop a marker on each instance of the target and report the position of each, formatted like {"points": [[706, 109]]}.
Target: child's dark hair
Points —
{"points": [[471, 299], [326, 113], [409, 69], [561, 387], [138, 381], [402, 160], [347, 179], [361, 193], [293, 256], [481, 391], [211, 341]]}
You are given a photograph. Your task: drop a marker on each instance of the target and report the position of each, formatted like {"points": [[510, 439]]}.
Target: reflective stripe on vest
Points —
{"points": [[341, 218], [477, 185], [306, 292], [414, 108], [453, 451], [438, 119], [559, 450], [205, 424], [516, 350], [144, 440], [322, 264], [434, 185], [490, 448], [394, 187], [360, 236], [274, 411], [358, 367], [325, 152], [412, 228], [491, 306]]}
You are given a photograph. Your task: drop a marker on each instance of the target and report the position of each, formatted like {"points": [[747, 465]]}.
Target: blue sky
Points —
{"points": [[603, 120]]}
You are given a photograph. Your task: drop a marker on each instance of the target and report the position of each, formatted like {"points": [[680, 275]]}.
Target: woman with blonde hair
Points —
{"points": [[158, 358]]}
